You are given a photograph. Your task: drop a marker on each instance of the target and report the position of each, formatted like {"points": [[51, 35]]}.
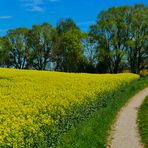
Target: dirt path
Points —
{"points": [[125, 132]]}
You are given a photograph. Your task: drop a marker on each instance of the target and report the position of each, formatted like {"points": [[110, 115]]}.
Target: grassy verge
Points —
{"points": [[93, 132], [143, 122]]}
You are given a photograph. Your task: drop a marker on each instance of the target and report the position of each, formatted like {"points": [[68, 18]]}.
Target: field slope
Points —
{"points": [[95, 131], [36, 107]]}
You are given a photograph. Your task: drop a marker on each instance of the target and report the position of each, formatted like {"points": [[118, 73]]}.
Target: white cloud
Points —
{"points": [[36, 5], [33, 5], [5, 17]]}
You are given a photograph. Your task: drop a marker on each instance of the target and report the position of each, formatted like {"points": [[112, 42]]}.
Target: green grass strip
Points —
{"points": [[143, 122], [94, 131]]}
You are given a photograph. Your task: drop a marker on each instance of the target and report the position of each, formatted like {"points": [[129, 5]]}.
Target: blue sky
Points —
{"points": [[25, 13]]}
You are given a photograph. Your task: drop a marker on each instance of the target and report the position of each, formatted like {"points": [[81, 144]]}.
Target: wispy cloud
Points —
{"points": [[33, 5], [36, 5], [5, 17]]}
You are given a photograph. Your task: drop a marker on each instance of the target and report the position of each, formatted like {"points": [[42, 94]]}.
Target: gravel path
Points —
{"points": [[125, 131]]}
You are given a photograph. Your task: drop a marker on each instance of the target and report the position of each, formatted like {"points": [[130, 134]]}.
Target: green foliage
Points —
{"points": [[5, 58], [41, 43], [121, 33], [93, 132], [117, 41], [68, 54], [143, 122], [16, 43]]}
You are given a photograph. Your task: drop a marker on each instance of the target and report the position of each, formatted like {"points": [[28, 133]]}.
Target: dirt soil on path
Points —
{"points": [[125, 130]]}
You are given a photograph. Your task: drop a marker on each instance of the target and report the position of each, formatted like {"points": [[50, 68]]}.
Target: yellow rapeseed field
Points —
{"points": [[36, 107]]}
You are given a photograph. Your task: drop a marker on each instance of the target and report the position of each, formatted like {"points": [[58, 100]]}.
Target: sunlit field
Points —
{"points": [[38, 107]]}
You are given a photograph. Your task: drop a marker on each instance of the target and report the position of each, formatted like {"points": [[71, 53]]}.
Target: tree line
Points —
{"points": [[117, 41]]}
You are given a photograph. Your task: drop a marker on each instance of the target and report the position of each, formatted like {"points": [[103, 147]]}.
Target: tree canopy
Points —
{"points": [[116, 42]]}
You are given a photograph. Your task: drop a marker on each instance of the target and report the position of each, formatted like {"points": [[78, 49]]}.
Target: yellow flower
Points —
{"points": [[35, 99]]}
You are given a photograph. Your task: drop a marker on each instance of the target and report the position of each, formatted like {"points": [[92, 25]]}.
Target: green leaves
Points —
{"points": [[69, 51], [40, 43], [121, 31]]}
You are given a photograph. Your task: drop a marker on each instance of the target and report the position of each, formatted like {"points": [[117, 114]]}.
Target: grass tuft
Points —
{"points": [[143, 122]]}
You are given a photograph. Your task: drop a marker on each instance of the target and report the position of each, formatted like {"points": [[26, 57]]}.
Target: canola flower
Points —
{"points": [[36, 106]]}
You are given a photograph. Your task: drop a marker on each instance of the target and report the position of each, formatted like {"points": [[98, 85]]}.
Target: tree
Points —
{"points": [[72, 51], [117, 41], [15, 44], [65, 25], [90, 53], [121, 35], [41, 43], [137, 46], [5, 59], [110, 34], [68, 53]]}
